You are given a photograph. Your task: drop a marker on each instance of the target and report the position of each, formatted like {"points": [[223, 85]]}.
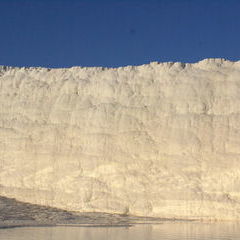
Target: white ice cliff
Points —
{"points": [[161, 139]]}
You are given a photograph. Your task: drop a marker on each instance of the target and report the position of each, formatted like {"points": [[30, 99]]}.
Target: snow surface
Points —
{"points": [[161, 139]]}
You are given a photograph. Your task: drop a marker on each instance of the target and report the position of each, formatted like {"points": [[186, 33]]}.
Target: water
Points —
{"points": [[165, 231]]}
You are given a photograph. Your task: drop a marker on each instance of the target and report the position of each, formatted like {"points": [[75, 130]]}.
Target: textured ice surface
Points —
{"points": [[161, 139]]}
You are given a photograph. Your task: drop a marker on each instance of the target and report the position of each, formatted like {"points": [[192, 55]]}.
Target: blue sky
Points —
{"points": [[64, 33]]}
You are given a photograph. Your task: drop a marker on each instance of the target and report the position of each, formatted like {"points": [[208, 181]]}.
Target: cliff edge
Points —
{"points": [[161, 139]]}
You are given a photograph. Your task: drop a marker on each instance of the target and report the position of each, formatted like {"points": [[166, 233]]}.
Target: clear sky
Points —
{"points": [[110, 33]]}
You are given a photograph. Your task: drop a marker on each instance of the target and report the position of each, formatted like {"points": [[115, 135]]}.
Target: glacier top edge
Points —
{"points": [[209, 62]]}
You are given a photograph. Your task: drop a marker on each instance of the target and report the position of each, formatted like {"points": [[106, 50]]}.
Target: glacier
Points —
{"points": [[158, 140]]}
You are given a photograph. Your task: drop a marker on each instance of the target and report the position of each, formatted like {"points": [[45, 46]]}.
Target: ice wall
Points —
{"points": [[161, 139]]}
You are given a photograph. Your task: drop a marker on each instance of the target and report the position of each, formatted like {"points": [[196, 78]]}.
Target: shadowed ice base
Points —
{"points": [[19, 214]]}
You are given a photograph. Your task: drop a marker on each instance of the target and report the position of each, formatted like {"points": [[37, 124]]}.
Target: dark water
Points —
{"points": [[165, 231]]}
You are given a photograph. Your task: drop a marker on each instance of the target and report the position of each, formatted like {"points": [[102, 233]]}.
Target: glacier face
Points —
{"points": [[161, 139]]}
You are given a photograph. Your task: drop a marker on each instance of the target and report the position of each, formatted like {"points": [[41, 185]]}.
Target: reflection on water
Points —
{"points": [[165, 231]]}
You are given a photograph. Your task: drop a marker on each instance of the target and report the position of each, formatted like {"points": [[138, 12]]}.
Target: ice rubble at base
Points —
{"points": [[161, 139]]}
